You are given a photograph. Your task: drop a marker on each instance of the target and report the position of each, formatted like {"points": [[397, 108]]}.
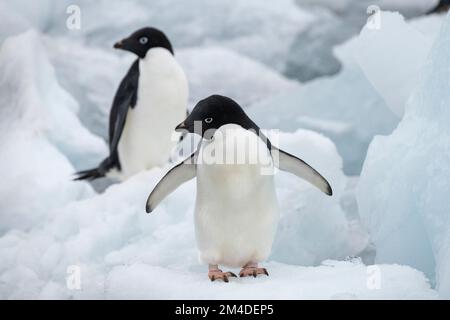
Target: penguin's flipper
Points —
{"points": [[125, 98], [288, 162], [176, 176]]}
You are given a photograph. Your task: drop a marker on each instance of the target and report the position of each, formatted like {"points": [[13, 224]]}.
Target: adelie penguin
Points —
{"points": [[150, 101], [236, 210]]}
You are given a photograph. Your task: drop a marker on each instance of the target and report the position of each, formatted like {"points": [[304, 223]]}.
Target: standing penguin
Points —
{"points": [[150, 101], [236, 211]]}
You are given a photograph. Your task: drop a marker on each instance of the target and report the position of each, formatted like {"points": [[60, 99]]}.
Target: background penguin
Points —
{"points": [[442, 6], [151, 99], [236, 212]]}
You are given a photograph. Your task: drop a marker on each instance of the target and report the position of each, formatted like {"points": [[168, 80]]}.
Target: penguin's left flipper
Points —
{"points": [[288, 162], [178, 175]]}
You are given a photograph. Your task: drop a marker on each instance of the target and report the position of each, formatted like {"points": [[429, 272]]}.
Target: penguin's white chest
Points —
{"points": [[236, 210], [148, 136]]}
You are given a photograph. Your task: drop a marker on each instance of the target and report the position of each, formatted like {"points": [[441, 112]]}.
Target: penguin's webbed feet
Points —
{"points": [[218, 274], [252, 270]]}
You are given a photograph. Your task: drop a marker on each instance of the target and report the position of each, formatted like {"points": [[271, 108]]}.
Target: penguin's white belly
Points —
{"points": [[236, 209], [148, 136]]}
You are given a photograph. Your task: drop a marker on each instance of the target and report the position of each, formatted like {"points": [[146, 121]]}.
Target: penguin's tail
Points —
{"points": [[99, 172], [89, 175]]}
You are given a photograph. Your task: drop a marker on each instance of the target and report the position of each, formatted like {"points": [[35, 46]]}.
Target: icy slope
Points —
{"points": [[106, 232], [226, 72], [398, 49], [311, 54], [293, 36], [403, 191], [394, 44], [56, 89], [92, 74], [333, 280], [38, 125], [361, 101], [263, 31], [346, 108]]}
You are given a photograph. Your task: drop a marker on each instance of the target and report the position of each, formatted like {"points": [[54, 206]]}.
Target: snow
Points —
{"points": [[361, 101], [243, 26], [104, 232], [345, 108], [311, 54], [315, 214], [220, 70], [56, 88], [92, 90], [416, 6], [407, 210], [378, 51], [38, 124], [209, 69], [334, 280]]}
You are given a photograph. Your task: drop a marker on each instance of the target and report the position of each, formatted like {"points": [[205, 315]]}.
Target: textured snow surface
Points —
{"points": [[333, 280], [106, 232], [403, 191], [56, 87], [380, 70], [38, 124]]}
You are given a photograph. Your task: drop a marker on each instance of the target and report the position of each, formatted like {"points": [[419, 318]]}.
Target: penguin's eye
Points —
{"points": [[143, 40], [208, 120]]}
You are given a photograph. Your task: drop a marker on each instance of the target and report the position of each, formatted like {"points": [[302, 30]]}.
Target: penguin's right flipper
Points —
{"points": [[125, 98], [288, 162], [178, 175]]}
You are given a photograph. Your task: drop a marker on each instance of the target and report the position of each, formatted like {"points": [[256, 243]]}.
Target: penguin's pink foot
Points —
{"points": [[252, 270], [220, 275], [214, 273]]}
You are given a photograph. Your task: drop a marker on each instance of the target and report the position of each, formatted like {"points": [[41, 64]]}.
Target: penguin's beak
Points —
{"points": [[181, 127], [118, 45]]}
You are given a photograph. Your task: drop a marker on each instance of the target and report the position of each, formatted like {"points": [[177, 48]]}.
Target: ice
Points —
{"points": [[345, 108], [360, 102], [379, 51], [31, 93], [38, 124], [301, 33], [18, 16], [94, 89], [301, 220], [222, 71], [244, 26], [110, 233], [343, 6], [344, 280], [403, 191], [56, 88], [208, 69], [311, 54]]}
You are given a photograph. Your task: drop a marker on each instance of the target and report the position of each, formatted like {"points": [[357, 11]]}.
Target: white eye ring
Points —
{"points": [[143, 40], [208, 120]]}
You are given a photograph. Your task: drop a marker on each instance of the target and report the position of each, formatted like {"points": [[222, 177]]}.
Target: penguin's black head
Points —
{"points": [[213, 112], [142, 40]]}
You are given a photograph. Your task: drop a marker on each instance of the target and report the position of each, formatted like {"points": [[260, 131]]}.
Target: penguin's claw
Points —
{"points": [[220, 275], [252, 271]]}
